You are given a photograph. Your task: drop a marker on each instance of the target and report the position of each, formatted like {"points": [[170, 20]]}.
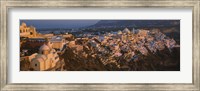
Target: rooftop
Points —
{"points": [[56, 38]]}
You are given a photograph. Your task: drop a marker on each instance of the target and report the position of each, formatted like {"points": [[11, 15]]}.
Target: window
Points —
{"points": [[35, 64]]}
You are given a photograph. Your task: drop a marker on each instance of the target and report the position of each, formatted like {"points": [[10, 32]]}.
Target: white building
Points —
{"points": [[45, 59], [58, 42], [126, 30], [135, 31]]}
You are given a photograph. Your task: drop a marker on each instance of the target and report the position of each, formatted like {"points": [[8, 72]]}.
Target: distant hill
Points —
{"points": [[135, 23]]}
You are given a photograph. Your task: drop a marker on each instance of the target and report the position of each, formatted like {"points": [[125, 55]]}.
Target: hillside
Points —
{"points": [[135, 23]]}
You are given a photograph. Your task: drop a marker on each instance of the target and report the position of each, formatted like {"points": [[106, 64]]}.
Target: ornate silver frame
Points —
{"points": [[7, 4]]}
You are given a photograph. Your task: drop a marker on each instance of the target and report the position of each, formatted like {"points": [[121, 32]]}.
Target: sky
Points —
{"points": [[59, 23]]}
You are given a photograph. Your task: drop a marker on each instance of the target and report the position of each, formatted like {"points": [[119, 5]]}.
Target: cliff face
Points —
{"points": [[135, 23], [161, 61]]}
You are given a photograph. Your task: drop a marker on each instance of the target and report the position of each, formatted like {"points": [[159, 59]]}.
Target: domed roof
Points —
{"points": [[40, 59], [44, 48], [37, 59], [41, 56]]}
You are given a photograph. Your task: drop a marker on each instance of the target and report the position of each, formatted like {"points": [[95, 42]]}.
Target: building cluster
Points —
{"points": [[27, 31], [124, 45], [44, 52], [41, 50]]}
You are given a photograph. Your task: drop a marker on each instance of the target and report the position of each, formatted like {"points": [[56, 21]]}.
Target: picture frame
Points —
{"points": [[4, 54]]}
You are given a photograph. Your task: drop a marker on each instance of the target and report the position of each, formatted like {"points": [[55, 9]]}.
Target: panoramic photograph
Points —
{"points": [[99, 45]]}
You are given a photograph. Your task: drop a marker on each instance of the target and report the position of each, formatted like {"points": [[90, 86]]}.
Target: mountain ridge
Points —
{"points": [[135, 23]]}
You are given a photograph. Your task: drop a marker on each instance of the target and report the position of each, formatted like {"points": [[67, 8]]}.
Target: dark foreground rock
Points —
{"points": [[161, 61]]}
